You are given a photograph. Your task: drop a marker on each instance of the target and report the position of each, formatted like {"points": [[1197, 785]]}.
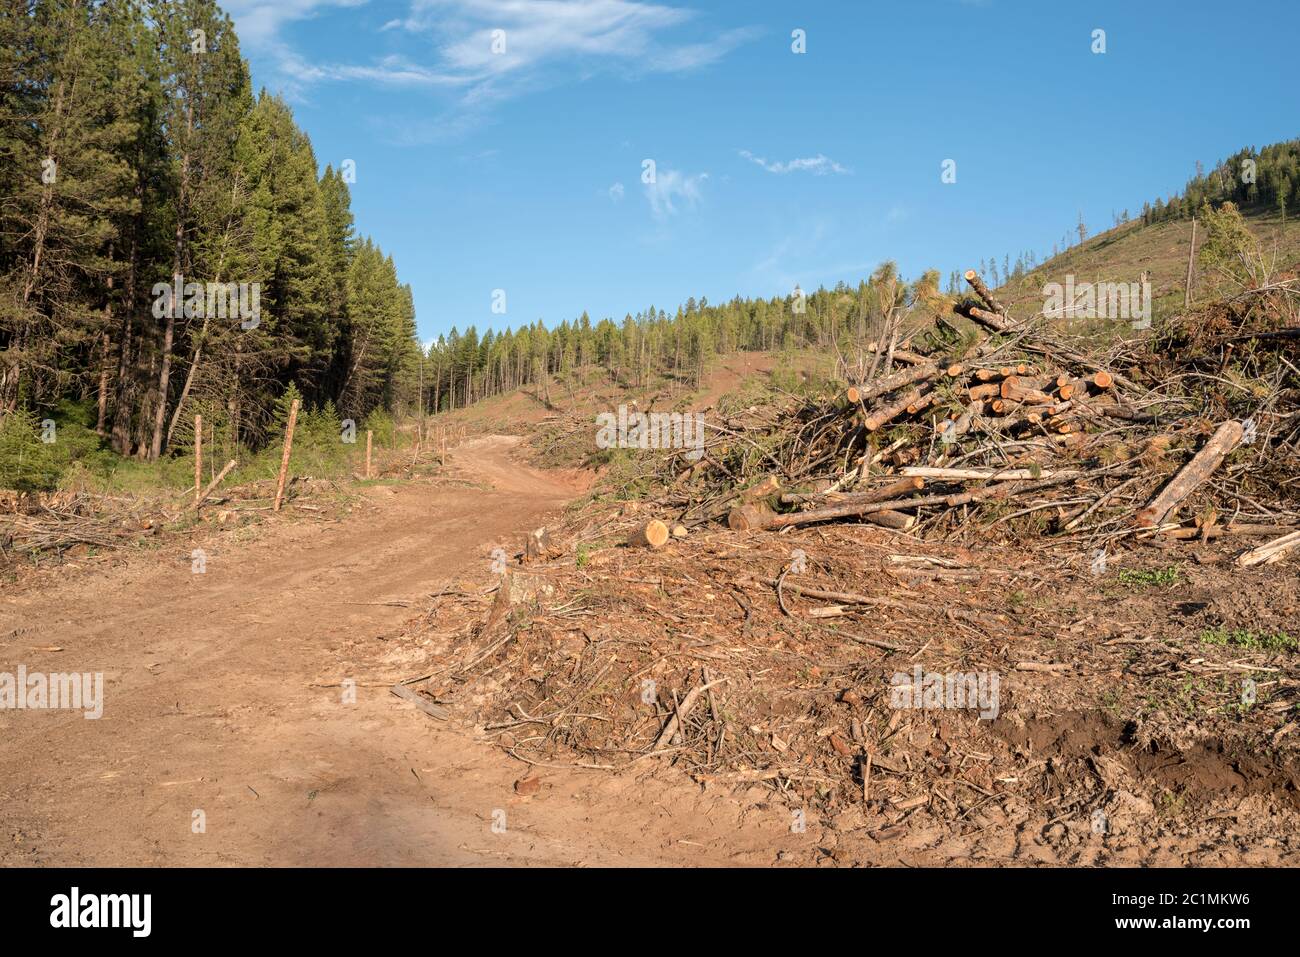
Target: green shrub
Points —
{"points": [[27, 463], [381, 423]]}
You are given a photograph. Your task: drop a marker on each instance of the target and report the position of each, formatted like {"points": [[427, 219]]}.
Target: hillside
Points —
{"points": [[1160, 250]]}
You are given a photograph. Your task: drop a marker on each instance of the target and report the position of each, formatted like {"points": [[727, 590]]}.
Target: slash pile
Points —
{"points": [[1194, 432]]}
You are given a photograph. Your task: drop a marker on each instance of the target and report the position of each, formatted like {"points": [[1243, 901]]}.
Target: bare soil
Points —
{"points": [[223, 695], [1145, 717]]}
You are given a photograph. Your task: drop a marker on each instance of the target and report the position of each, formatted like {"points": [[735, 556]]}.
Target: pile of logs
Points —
{"points": [[1019, 423]]}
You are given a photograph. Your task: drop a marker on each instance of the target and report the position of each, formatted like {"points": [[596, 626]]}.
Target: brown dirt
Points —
{"points": [[222, 695], [1138, 727]]}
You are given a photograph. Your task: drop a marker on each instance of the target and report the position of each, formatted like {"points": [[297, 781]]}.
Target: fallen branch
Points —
{"points": [[841, 597], [1003, 475], [421, 702], [682, 711], [1191, 475], [1270, 552], [213, 484]]}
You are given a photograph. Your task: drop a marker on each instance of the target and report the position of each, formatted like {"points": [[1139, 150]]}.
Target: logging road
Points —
{"points": [[222, 704]]}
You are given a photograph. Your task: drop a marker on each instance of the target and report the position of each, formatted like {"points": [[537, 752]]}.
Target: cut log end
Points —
{"points": [[746, 517], [889, 518], [768, 487], [653, 534]]}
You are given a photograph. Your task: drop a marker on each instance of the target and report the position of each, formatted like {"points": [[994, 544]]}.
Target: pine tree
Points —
{"points": [[292, 243], [70, 179], [132, 152], [206, 88]]}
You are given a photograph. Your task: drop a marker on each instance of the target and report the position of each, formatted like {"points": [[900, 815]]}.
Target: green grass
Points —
{"points": [[1251, 640], [1182, 696], [1111, 702], [1122, 253], [79, 459], [1152, 578]]}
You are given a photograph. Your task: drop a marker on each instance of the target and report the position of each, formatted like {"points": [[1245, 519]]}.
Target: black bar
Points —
{"points": [[434, 907]]}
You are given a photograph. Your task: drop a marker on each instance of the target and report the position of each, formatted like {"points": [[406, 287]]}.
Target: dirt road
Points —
{"points": [[223, 705]]}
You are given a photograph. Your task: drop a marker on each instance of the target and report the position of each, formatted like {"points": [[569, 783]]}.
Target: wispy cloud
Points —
{"points": [[259, 22], [692, 56], [486, 51], [261, 25], [818, 165], [616, 192], [393, 70], [672, 191]]}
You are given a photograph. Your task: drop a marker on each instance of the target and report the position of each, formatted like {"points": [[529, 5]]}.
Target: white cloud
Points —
{"points": [[818, 165], [673, 190], [258, 22], [540, 43], [691, 56], [534, 32], [616, 192], [389, 71], [260, 25]]}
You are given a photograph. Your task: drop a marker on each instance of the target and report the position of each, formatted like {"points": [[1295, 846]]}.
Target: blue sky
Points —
{"points": [[522, 170]]}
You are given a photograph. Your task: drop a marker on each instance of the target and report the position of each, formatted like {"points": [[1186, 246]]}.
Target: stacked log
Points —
{"points": [[1015, 423]]}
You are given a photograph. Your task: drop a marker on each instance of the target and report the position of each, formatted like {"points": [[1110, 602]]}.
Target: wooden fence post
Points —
{"points": [[284, 457]]}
